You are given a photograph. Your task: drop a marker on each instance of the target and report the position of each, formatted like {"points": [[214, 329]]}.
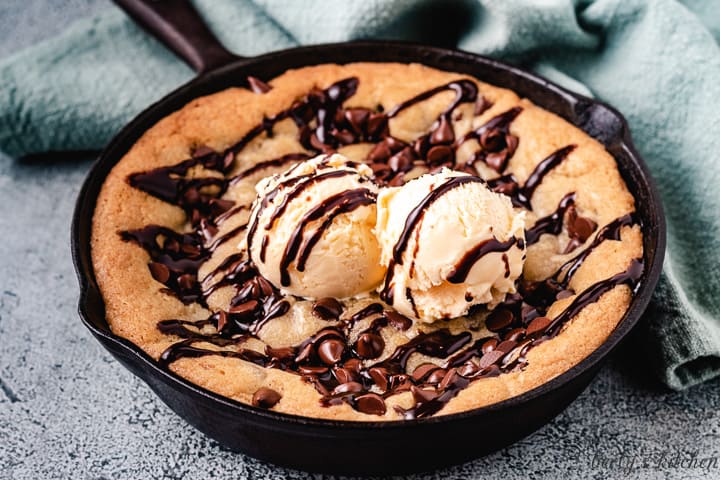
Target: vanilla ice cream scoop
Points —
{"points": [[448, 243], [311, 229]]}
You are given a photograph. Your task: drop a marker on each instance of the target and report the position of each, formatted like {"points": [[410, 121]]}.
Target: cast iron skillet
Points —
{"points": [[340, 446]]}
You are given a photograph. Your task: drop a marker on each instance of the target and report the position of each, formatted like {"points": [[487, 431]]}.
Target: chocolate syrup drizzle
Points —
{"points": [[341, 371], [460, 272], [551, 224], [328, 209], [411, 223]]}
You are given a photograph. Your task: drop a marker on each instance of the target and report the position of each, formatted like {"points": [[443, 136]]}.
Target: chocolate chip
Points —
{"points": [[448, 379], [159, 272], [397, 320], [339, 117], [527, 313], [403, 386], [318, 95], [304, 136], [527, 344], [377, 125], [195, 216], [191, 196], [443, 133], [370, 403], [489, 345], [220, 206], [439, 154], [513, 356], [571, 245], [349, 387], [228, 160], [422, 396], [265, 286], [469, 167], [379, 375], [357, 118], [312, 370], [222, 320], [497, 160], [305, 353], [398, 180], [257, 85], [468, 369], [202, 151], [301, 112], [244, 310], [326, 333], [344, 137], [327, 308], [186, 281], [171, 245], [401, 161], [326, 399], [436, 375], [579, 228], [505, 346], [492, 140], [380, 169], [281, 353], [254, 288], [265, 398], [511, 142], [380, 153], [481, 105], [490, 358], [421, 146], [353, 364], [515, 334], [244, 294], [369, 345], [344, 375], [190, 250], [399, 383], [394, 144], [499, 319], [331, 350], [422, 370], [504, 186], [537, 325]]}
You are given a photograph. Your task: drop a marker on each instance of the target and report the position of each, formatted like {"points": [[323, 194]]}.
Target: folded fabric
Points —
{"points": [[657, 61]]}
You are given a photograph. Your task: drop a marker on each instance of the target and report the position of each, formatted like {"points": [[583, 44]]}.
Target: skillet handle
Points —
{"points": [[180, 27]]}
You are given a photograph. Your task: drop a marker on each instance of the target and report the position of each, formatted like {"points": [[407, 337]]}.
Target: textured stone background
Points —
{"points": [[68, 410]]}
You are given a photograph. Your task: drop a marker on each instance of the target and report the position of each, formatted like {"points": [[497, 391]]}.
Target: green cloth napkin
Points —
{"points": [[658, 61]]}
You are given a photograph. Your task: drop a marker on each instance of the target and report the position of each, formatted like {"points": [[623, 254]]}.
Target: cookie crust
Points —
{"points": [[134, 304]]}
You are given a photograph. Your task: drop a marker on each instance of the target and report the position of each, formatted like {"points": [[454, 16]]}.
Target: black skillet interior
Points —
{"points": [[351, 447]]}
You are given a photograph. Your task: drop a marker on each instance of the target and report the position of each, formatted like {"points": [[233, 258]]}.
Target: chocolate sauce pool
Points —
{"points": [[343, 371]]}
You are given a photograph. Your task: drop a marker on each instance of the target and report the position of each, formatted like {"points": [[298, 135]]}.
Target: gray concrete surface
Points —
{"points": [[68, 410]]}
